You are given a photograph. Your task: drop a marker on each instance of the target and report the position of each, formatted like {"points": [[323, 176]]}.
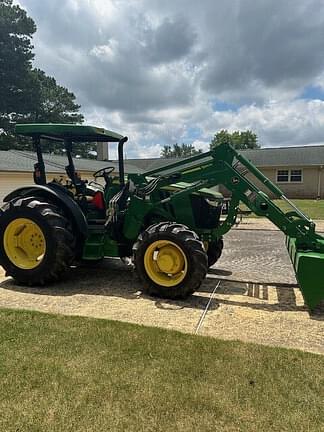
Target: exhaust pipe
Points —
{"points": [[121, 161]]}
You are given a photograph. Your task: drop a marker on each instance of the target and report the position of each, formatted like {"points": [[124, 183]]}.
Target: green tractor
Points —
{"points": [[168, 220], [47, 227]]}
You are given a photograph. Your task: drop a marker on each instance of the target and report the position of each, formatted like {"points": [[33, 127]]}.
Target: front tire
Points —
{"points": [[37, 244], [170, 260]]}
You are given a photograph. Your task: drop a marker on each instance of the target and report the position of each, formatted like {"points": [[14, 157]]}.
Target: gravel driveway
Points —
{"points": [[257, 300]]}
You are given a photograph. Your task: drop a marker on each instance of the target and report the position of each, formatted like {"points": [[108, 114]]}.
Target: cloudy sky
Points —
{"points": [[178, 71]]}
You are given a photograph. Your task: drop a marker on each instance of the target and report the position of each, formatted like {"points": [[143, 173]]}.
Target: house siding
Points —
{"points": [[9, 181], [307, 189]]}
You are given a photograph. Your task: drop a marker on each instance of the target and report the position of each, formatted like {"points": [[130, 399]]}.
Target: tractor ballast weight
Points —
{"points": [[168, 219]]}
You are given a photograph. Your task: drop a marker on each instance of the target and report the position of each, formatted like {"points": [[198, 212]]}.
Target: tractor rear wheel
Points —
{"points": [[214, 251], [37, 244], [170, 260]]}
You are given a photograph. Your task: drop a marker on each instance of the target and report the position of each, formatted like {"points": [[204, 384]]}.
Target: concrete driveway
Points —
{"points": [[257, 299]]}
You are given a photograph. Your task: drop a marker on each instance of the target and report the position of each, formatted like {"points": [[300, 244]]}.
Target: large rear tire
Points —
{"points": [[37, 244], [170, 260]]}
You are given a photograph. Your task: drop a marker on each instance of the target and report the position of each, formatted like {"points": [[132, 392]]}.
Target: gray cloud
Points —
{"points": [[277, 44], [119, 66], [170, 41], [230, 46], [156, 66]]}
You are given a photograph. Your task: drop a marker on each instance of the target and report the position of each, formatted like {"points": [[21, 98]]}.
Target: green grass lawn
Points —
{"points": [[313, 208], [75, 374]]}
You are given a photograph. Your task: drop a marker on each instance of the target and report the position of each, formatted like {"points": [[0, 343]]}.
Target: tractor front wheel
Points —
{"points": [[170, 260], [36, 241]]}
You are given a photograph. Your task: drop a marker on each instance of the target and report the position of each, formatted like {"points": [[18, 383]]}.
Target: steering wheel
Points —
{"points": [[103, 172]]}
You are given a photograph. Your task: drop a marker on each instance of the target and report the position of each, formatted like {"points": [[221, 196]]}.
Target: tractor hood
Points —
{"points": [[211, 193]]}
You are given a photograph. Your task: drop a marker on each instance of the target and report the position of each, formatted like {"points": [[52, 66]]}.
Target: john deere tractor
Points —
{"points": [[167, 220]]}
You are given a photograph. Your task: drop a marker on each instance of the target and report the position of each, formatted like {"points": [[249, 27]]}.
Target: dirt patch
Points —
{"points": [[257, 300]]}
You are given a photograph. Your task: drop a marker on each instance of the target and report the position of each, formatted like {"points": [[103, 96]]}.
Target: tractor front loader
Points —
{"points": [[167, 220]]}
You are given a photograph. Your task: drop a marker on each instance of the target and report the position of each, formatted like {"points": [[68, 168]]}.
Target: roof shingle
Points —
{"points": [[19, 161], [265, 157], [14, 160]]}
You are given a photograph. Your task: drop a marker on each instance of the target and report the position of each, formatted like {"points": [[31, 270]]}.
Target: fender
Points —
{"points": [[61, 197]]}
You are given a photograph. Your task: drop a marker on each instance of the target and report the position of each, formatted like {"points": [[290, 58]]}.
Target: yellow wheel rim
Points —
{"points": [[165, 263], [24, 243]]}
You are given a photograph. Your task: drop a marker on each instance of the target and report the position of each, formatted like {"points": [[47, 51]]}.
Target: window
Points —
{"points": [[282, 176], [289, 176], [296, 175]]}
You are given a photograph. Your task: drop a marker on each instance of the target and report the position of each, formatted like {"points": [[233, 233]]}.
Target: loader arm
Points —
{"points": [[225, 166]]}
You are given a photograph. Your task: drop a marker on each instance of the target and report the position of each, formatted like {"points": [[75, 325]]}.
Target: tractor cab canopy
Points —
{"points": [[63, 132], [69, 133]]}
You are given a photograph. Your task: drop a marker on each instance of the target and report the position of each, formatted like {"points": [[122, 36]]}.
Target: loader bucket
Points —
{"points": [[309, 269]]}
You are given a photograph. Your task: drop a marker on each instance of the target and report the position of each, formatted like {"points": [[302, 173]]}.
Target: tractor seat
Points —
{"points": [[95, 199], [90, 192]]}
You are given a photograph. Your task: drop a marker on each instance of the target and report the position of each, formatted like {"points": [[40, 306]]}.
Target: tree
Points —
{"points": [[183, 150], [26, 94], [16, 31], [239, 139], [52, 102]]}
